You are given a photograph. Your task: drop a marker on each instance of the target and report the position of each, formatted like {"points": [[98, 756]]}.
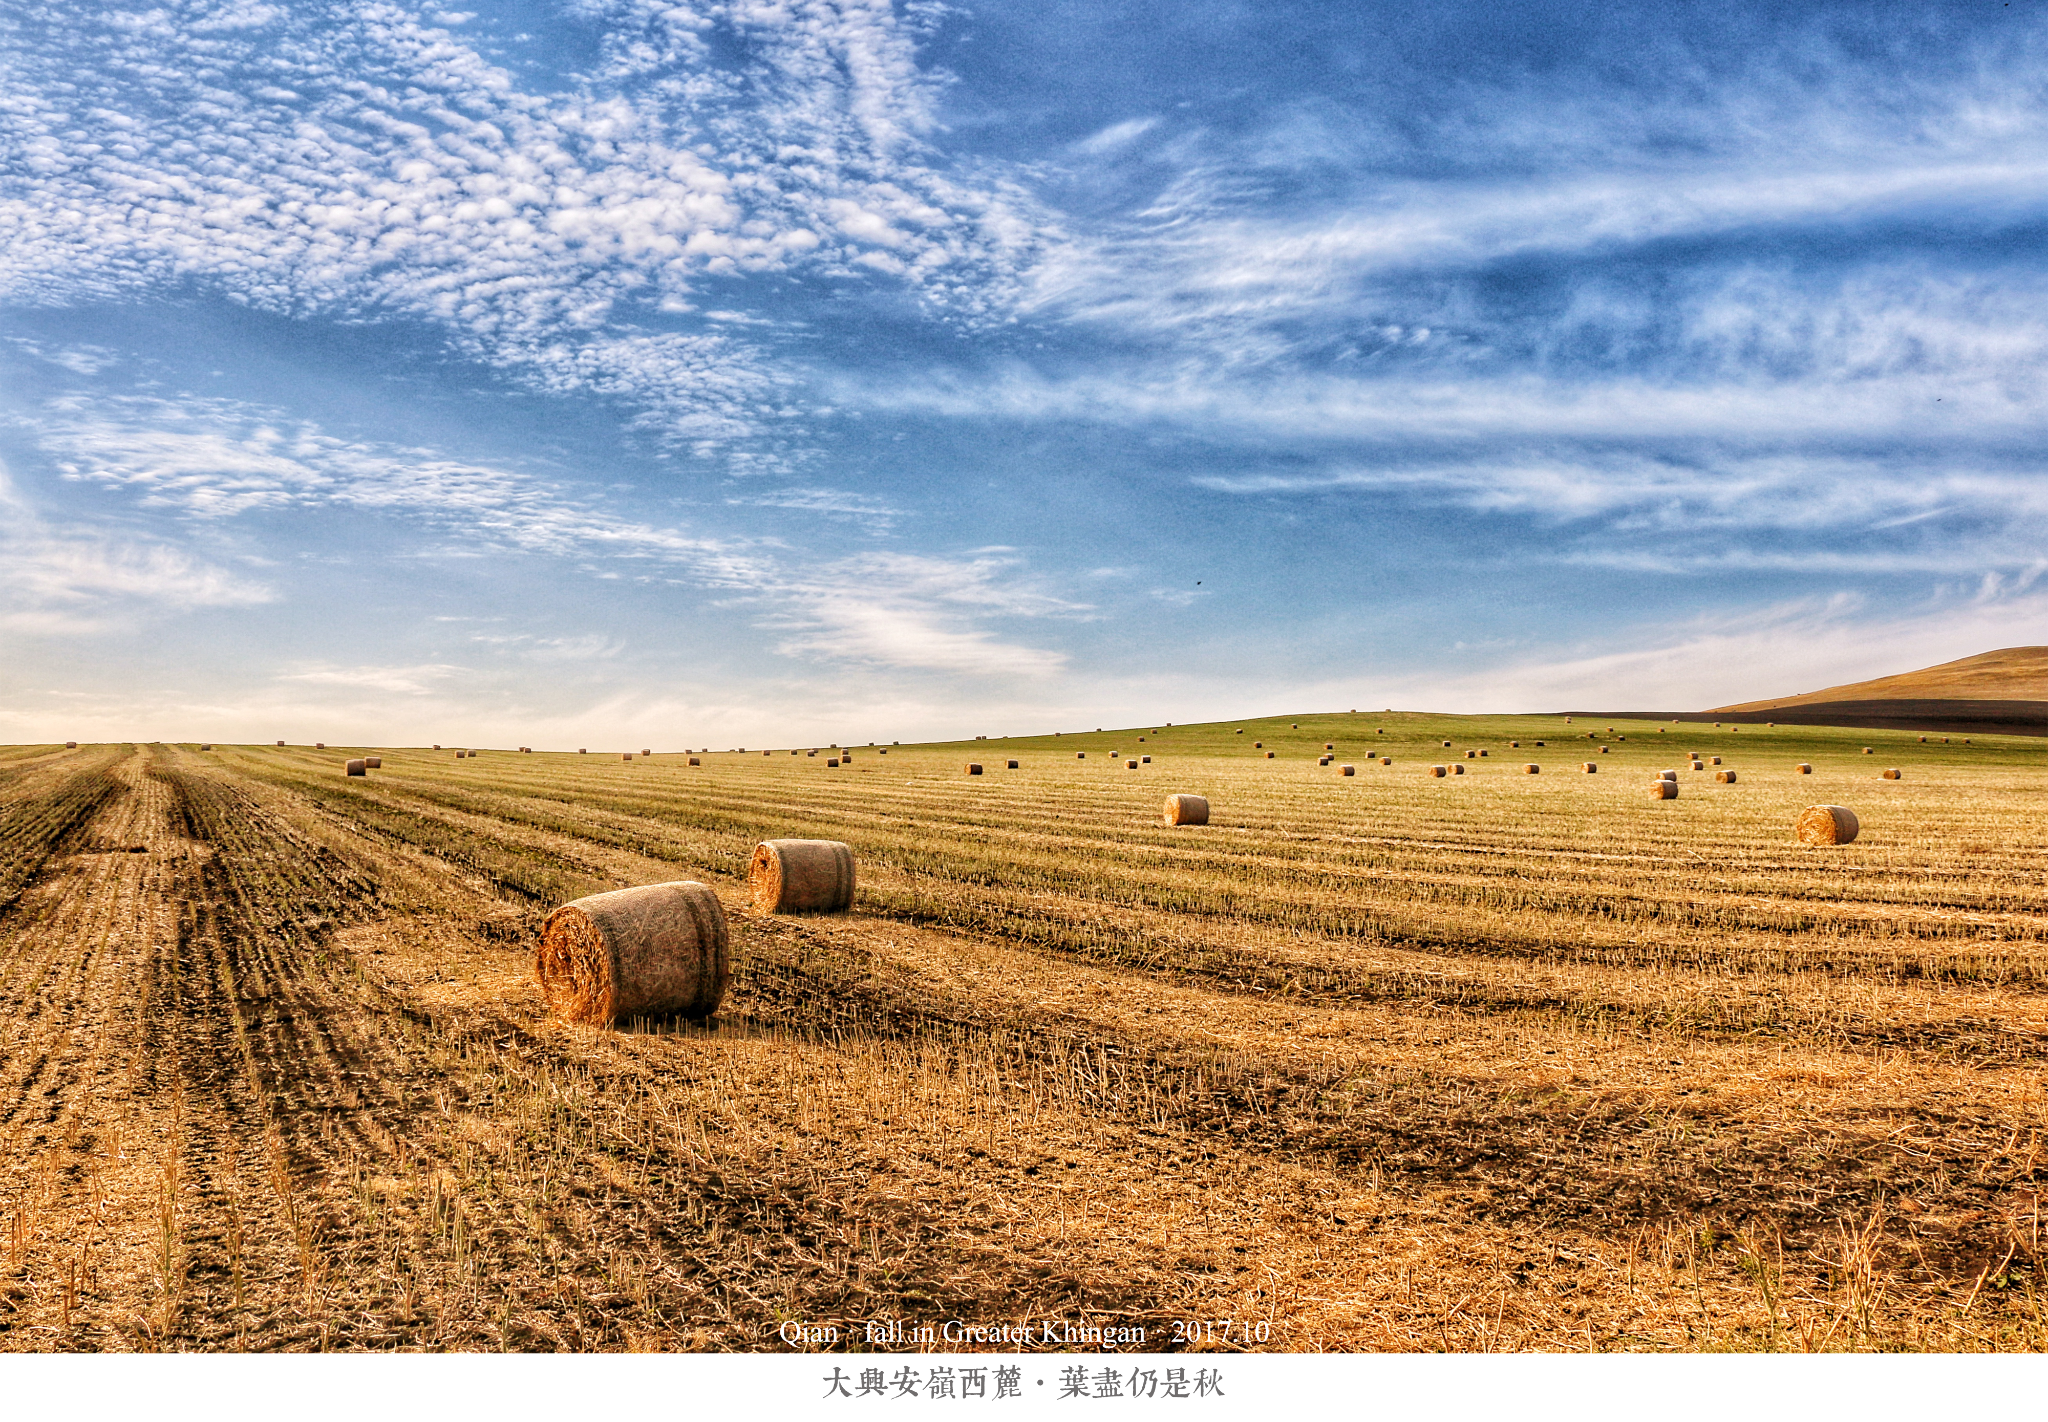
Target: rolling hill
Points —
{"points": [[2003, 692]]}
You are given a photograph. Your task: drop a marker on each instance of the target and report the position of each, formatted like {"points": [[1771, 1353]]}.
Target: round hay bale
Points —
{"points": [[1145, 759], [647, 752], [658, 950], [695, 761], [1439, 771], [1532, 769], [1329, 745], [1080, 755], [526, 750], [973, 769], [355, 767], [1662, 789], [801, 876], [1130, 765], [1258, 745], [373, 762], [1923, 740], [73, 743], [1670, 775], [319, 745], [208, 746], [1324, 759], [1012, 765], [1603, 750], [1868, 751], [1384, 760], [832, 764], [1592, 767], [1514, 745], [1447, 745], [1698, 765], [1457, 768], [582, 750], [627, 756], [1892, 774], [1347, 770], [1482, 752], [1269, 755], [458, 755], [1186, 810], [1804, 768], [1717, 760], [1726, 777], [1826, 824]]}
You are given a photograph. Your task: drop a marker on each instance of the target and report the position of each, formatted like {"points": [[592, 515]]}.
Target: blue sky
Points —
{"points": [[624, 372]]}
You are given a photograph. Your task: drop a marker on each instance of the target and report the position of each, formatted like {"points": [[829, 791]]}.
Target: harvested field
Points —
{"points": [[1496, 1061]]}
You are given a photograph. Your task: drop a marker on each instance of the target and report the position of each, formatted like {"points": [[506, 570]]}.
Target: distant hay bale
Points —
{"points": [[1868, 751], [1662, 789], [1826, 824], [1324, 759], [1144, 759], [1329, 745], [1698, 765], [695, 761], [1514, 745], [1347, 770], [1592, 767], [372, 762], [1532, 769], [1804, 768], [1130, 765], [1258, 745], [1439, 771], [526, 750], [355, 767], [627, 756], [832, 763], [973, 768], [319, 745], [1080, 755], [659, 950], [73, 745], [1670, 775], [437, 744], [207, 746], [1012, 765], [1447, 745], [1186, 810], [582, 750], [1603, 750], [1269, 755], [1717, 760], [1923, 740], [1892, 774], [1457, 768], [801, 876], [1482, 752], [647, 752], [1726, 777], [1384, 760]]}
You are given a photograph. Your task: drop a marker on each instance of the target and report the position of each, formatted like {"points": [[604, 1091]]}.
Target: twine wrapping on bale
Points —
{"points": [[1726, 777], [1346, 770], [1662, 789], [1826, 824], [1892, 774], [1439, 771], [1186, 810], [659, 950], [973, 769], [356, 767], [370, 762], [1805, 769], [801, 876]]}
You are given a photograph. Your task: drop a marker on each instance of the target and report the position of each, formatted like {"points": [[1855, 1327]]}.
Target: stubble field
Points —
{"points": [[1493, 1061]]}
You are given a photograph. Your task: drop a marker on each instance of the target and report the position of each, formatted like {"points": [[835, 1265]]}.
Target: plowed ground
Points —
{"points": [[1386, 1061]]}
